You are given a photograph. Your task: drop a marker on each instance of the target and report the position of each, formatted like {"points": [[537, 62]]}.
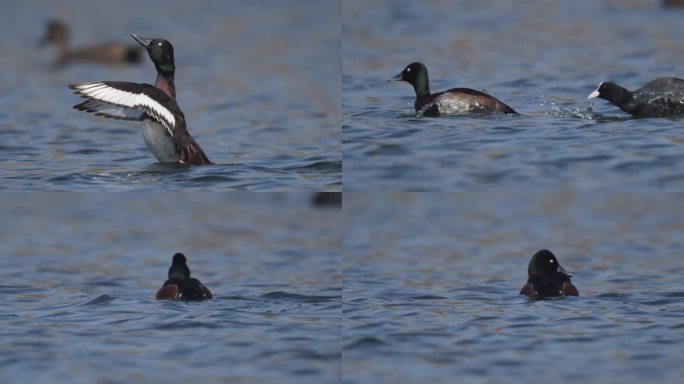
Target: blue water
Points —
{"points": [[542, 58], [80, 272], [386, 286], [431, 286], [258, 83]]}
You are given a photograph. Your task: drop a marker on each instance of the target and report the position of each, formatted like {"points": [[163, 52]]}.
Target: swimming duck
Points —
{"points": [[449, 102], [57, 33], [180, 285], [547, 278]]}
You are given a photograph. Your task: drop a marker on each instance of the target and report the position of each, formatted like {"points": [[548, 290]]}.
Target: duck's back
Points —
{"points": [[659, 98], [549, 285], [460, 100], [188, 289], [664, 85], [192, 289]]}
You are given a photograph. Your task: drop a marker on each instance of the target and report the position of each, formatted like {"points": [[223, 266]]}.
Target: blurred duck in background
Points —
{"points": [[57, 34], [673, 3]]}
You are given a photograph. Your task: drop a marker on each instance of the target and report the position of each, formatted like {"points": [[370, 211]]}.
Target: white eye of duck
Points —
{"points": [[551, 261], [159, 44], [408, 69]]}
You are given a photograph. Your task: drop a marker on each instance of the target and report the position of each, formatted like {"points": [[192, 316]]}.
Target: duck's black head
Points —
{"points": [[544, 262], [179, 269], [161, 53], [415, 74], [612, 92], [56, 32]]}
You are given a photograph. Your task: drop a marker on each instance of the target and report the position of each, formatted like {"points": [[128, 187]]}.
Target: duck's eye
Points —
{"points": [[551, 261], [408, 69], [159, 44]]}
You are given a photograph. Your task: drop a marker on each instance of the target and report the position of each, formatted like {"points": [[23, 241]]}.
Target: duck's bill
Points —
{"points": [[142, 40], [561, 269], [395, 78], [593, 95]]}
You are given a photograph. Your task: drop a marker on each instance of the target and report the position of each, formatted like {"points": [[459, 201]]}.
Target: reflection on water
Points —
{"points": [[80, 273], [542, 58], [431, 286]]}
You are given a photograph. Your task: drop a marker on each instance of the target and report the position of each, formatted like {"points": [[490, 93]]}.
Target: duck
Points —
{"points": [[450, 102], [547, 278], [57, 33], [163, 123], [662, 97], [673, 3], [180, 285]]}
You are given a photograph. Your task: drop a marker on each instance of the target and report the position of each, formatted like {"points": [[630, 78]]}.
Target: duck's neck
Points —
{"points": [[166, 84], [422, 85]]}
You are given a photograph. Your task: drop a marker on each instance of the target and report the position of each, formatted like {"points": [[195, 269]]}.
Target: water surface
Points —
{"points": [[80, 272], [542, 58], [258, 83], [431, 286]]}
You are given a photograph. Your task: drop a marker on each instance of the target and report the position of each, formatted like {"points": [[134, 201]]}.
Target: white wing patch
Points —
{"points": [[105, 100]]}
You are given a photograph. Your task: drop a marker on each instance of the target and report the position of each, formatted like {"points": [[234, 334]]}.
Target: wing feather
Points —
{"points": [[127, 101]]}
